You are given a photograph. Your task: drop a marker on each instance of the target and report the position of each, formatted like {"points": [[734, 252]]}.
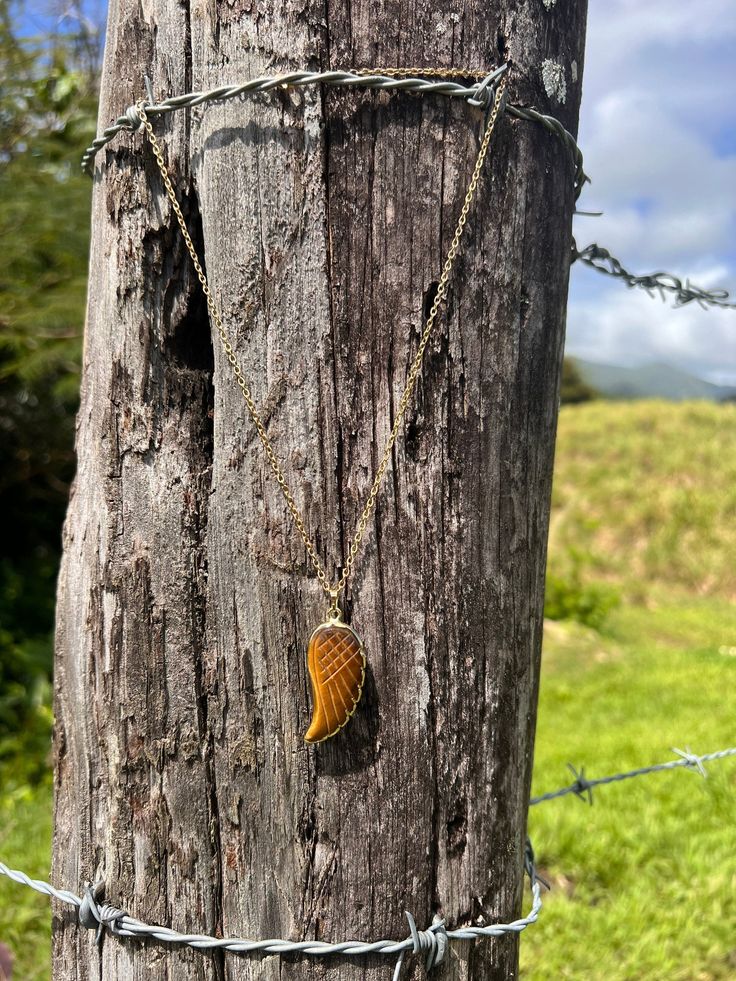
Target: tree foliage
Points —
{"points": [[47, 109], [574, 388]]}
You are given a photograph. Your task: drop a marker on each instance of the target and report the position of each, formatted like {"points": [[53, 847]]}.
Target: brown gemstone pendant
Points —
{"points": [[336, 663]]}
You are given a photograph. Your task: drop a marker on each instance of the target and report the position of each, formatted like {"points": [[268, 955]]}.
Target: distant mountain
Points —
{"points": [[652, 380]]}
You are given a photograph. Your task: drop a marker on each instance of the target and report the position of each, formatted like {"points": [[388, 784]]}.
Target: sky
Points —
{"points": [[658, 131]]}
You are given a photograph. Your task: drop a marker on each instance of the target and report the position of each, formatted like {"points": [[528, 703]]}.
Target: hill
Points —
{"points": [[654, 380]]}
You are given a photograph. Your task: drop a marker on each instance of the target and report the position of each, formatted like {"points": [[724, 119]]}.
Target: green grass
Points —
{"points": [[25, 833], [644, 882], [25, 843]]}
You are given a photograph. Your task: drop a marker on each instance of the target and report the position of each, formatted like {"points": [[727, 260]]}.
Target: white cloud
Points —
{"points": [[618, 325], [658, 96]]}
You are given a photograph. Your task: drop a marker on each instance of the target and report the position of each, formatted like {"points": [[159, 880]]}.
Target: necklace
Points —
{"points": [[335, 655]]}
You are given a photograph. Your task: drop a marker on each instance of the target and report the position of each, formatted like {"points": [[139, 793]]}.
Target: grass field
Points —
{"points": [[641, 564], [25, 842]]}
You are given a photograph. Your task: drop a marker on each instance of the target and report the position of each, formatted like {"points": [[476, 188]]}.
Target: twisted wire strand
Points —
{"points": [[657, 282], [555, 127], [130, 119], [480, 94]]}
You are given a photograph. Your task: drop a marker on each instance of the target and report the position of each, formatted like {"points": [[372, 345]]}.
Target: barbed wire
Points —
{"points": [[662, 283], [583, 788], [480, 95], [433, 942]]}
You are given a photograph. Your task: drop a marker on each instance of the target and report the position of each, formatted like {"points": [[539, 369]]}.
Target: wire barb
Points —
{"points": [[95, 917], [691, 760], [484, 94], [530, 866], [582, 788], [432, 942]]}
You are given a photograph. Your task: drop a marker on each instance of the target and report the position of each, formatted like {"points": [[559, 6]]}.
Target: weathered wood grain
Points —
{"points": [[186, 600]]}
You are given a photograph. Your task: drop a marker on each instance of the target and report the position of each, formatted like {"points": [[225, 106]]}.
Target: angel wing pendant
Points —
{"points": [[336, 662]]}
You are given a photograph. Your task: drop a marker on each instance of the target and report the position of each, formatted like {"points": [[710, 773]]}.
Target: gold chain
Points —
{"points": [[475, 73], [333, 591]]}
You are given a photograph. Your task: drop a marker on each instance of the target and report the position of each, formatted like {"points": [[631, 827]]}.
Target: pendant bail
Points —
{"points": [[333, 610]]}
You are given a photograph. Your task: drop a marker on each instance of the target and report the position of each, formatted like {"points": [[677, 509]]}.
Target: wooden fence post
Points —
{"points": [[186, 599]]}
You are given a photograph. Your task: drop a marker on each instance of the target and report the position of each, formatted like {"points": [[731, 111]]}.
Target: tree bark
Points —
{"points": [[186, 599]]}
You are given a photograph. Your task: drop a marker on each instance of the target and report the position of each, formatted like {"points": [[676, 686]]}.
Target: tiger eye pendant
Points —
{"points": [[336, 662]]}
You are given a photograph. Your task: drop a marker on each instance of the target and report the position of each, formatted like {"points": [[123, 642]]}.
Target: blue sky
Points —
{"points": [[658, 130]]}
